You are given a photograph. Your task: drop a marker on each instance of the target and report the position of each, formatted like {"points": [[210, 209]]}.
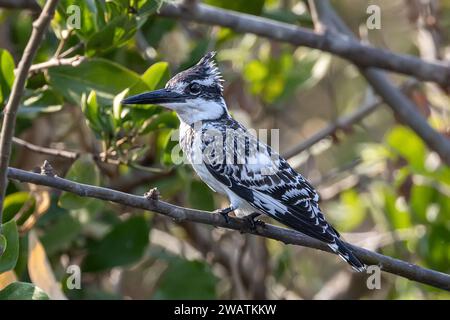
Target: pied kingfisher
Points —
{"points": [[254, 177]]}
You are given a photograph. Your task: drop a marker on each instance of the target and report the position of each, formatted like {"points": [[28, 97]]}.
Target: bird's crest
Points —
{"points": [[205, 71], [209, 67]]}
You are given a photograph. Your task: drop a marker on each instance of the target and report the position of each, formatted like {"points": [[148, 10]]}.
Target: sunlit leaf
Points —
{"points": [[6, 74], [22, 291], [352, 211], [396, 210], [407, 144], [156, 75], [117, 107]]}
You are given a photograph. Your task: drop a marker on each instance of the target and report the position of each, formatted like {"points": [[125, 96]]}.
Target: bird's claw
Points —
{"points": [[253, 223], [224, 213]]}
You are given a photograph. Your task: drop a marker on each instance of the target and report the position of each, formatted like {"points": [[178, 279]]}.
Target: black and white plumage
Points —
{"points": [[235, 163]]}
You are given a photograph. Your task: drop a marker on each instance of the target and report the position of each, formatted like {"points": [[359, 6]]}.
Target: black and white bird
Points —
{"points": [[233, 162]]}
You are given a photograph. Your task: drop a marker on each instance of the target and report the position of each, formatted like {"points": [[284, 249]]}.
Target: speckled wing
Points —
{"points": [[266, 181]]}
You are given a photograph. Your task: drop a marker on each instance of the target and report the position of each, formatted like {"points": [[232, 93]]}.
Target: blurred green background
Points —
{"points": [[380, 185]]}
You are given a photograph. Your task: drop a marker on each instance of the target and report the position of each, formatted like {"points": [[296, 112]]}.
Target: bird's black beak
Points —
{"points": [[161, 96]]}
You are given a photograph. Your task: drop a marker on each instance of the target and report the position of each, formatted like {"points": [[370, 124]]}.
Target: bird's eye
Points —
{"points": [[194, 88]]}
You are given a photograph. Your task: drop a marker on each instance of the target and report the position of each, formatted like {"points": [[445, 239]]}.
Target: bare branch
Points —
{"points": [[388, 264], [326, 18], [49, 151], [340, 123], [345, 47], [54, 62], [9, 120]]}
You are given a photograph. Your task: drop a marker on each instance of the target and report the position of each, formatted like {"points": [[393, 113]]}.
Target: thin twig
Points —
{"points": [[9, 120], [49, 151], [340, 123], [388, 264], [343, 122], [55, 62], [72, 155]]}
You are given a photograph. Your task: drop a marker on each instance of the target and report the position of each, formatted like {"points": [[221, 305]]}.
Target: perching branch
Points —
{"points": [[9, 120], [346, 47], [388, 264]]}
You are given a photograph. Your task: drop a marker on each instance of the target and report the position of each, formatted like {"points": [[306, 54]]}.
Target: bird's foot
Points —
{"points": [[224, 213], [252, 223]]}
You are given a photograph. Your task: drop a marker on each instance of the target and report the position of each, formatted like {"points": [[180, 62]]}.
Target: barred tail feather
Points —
{"points": [[347, 255]]}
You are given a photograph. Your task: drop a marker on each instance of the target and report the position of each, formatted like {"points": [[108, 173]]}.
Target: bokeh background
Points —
{"points": [[380, 185]]}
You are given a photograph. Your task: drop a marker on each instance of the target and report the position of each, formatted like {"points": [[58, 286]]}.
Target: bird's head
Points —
{"points": [[194, 94]]}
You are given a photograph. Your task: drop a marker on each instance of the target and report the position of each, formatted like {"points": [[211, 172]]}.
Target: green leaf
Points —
{"points": [[3, 244], [6, 74], [113, 35], [396, 210], [156, 75], [161, 121], [83, 170], [407, 144], [90, 108], [200, 196], [435, 248], [22, 291], [60, 235], [421, 197], [124, 244], [9, 257], [352, 212], [103, 76], [88, 20], [185, 279], [42, 100], [13, 203], [117, 107]]}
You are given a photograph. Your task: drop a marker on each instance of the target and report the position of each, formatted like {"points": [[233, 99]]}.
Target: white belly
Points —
{"points": [[195, 158]]}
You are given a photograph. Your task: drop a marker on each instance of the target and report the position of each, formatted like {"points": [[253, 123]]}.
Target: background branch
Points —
{"points": [[9, 120], [388, 264], [345, 47], [325, 18], [48, 151]]}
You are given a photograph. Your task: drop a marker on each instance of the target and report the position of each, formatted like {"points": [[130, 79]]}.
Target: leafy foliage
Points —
{"points": [[396, 197]]}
